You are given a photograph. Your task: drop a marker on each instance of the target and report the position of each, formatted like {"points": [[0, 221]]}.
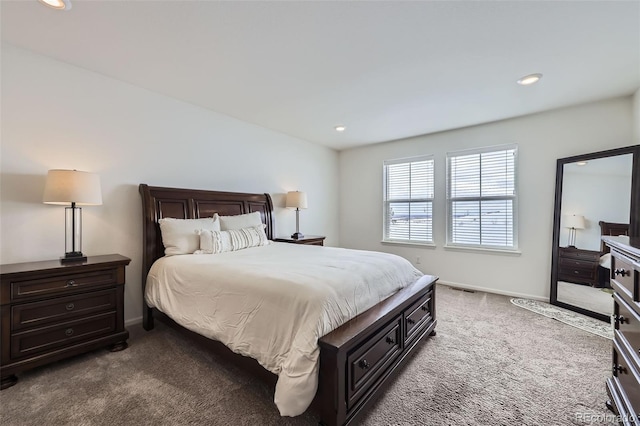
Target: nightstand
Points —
{"points": [[312, 240], [51, 311], [578, 266]]}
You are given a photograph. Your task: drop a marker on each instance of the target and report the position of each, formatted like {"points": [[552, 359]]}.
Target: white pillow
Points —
{"points": [[213, 242], [179, 235], [240, 221]]}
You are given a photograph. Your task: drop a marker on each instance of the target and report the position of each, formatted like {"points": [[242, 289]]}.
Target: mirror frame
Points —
{"points": [[634, 216]]}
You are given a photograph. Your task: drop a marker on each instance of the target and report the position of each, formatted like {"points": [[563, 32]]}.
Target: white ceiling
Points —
{"points": [[386, 70]]}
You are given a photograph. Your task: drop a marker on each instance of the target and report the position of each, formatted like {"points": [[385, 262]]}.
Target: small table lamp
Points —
{"points": [[65, 187], [297, 200], [573, 222]]}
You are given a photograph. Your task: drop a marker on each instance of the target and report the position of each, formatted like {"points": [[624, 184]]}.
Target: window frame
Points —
{"points": [[386, 202], [515, 197]]}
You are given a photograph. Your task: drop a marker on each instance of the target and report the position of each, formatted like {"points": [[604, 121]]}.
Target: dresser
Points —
{"points": [[578, 266], [52, 311], [624, 385], [313, 240]]}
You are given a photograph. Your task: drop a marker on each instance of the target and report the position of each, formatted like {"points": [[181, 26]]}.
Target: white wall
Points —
{"points": [[59, 116], [636, 116], [542, 138]]}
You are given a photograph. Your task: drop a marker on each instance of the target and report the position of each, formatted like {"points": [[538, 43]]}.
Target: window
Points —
{"points": [[481, 198], [408, 200]]}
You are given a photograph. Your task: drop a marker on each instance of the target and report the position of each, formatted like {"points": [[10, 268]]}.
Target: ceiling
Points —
{"points": [[386, 70]]}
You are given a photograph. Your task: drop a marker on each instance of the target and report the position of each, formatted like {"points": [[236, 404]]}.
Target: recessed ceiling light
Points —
{"points": [[529, 79], [581, 163], [57, 4], [340, 128]]}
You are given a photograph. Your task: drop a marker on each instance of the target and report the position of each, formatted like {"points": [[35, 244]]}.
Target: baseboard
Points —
{"points": [[133, 321], [492, 290]]}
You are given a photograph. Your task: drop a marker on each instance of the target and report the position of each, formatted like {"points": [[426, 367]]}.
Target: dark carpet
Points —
{"points": [[491, 363]]}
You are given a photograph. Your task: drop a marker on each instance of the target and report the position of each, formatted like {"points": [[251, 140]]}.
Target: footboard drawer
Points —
{"points": [[366, 363], [418, 316]]}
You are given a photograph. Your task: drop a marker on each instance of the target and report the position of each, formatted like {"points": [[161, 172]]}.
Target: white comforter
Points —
{"points": [[272, 303]]}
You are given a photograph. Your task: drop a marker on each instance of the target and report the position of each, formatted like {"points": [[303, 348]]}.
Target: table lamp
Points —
{"points": [[73, 188]]}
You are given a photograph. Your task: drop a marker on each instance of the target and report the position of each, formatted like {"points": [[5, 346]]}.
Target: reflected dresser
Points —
{"points": [[624, 385], [51, 311]]}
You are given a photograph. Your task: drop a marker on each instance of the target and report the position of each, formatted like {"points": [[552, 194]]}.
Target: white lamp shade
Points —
{"points": [[574, 221], [297, 199], [71, 186]]}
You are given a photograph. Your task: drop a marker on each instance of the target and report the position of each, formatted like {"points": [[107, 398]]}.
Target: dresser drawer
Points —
{"points": [[627, 376], [417, 316], [368, 362], [623, 274], [58, 284], [36, 314], [44, 339], [627, 323]]}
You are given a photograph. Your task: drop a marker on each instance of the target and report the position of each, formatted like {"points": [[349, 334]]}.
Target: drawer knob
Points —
{"points": [[410, 321], [70, 306], [364, 364], [69, 331], [424, 308], [621, 271], [390, 341], [71, 283], [620, 319], [619, 369]]}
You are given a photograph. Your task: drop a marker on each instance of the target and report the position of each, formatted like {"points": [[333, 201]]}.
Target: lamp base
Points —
{"points": [[297, 236], [73, 257]]}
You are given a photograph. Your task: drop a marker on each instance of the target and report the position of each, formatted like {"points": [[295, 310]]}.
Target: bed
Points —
{"points": [[356, 360]]}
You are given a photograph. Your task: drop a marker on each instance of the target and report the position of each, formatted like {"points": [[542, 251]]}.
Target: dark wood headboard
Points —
{"points": [[192, 204], [611, 229]]}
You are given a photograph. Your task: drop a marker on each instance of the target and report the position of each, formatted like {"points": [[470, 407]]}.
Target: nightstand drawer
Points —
{"points": [[45, 339], [586, 255], [579, 274], [37, 314], [51, 285], [575, 263]]}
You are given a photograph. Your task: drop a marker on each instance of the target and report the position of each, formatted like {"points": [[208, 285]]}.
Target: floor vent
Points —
{"points": [[462, 289]]}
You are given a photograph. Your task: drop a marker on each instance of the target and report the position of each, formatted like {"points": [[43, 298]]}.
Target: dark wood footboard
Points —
{"points": [[358, 359]]}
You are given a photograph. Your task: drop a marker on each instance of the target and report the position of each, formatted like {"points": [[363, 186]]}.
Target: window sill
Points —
{"points": [[409, 244], [505, 252]]}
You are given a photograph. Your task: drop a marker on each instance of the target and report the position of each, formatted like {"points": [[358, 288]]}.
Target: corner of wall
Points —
{"points": [[636, 116]]}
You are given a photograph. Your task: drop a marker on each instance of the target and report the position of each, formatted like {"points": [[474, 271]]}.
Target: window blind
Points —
{"points": [[482, 198], [408, 200]]}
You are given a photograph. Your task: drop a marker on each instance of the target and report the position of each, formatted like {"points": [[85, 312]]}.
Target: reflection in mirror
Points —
{"points": [[595, 193]]}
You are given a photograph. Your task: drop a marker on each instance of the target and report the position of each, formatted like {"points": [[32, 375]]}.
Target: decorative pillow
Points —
{"points": [[179, 236], [213, 242], [227, 223]]}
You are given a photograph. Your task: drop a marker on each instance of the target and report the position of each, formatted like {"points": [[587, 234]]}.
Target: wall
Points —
{"points": [[542, 138], [636, 116], [60, 116]]}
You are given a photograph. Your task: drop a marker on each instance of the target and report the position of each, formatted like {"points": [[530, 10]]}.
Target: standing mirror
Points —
{"points": [[596, 194]]}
